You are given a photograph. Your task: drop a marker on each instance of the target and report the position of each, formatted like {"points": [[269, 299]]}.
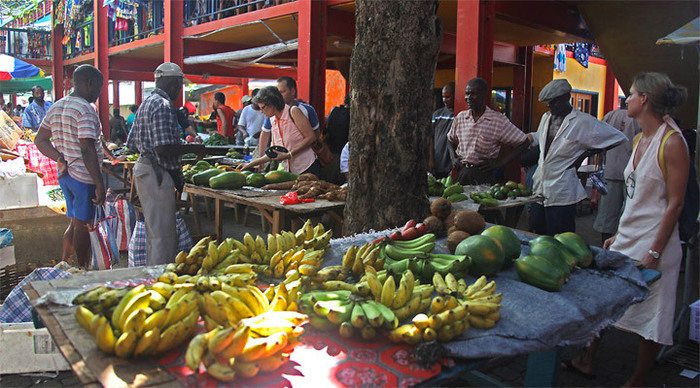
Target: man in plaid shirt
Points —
{"points": [[478, 134], [157, 173]]}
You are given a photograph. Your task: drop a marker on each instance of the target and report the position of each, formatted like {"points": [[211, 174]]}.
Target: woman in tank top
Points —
{"points": [[291, 130], [648, 231]]}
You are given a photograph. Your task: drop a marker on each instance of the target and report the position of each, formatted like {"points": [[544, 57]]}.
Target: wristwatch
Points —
{"points": [[654, 254]]}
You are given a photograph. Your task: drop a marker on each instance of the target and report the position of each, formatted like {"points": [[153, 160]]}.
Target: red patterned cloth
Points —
{"points": [[323, 360], [37, 162]]}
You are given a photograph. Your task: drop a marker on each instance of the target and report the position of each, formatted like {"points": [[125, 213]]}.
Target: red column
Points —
{"points": [[244, 87], [138, 92], [611, 101], [13, 99], [57, 61], [174, 43], [115, 94], [311, 55], [102, 63]]}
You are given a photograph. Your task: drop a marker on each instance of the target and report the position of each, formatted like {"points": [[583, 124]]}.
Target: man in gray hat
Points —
{"points": [[566, 137], [158, 171]]}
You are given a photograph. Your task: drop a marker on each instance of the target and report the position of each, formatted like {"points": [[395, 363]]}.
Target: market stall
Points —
{"points": [[530, 320]]}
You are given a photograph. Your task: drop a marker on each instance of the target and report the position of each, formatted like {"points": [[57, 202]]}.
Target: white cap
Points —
{"points": [[168, 69]]}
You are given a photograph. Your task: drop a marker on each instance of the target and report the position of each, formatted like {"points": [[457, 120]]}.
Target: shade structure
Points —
{"points": [[13, 68], [21, 85], [687, 34]]}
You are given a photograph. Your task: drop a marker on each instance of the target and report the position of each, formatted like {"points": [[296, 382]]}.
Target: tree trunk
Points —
{"points": [[391, 76]]}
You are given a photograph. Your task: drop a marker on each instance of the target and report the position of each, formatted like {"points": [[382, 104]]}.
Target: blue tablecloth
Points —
{"points": [[535, 320]]}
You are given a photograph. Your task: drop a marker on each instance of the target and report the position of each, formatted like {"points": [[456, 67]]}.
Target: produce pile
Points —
{"points": [[225, 177], [498, 192], [446, 188], [309, 186], [215, 139], [394, 287]]}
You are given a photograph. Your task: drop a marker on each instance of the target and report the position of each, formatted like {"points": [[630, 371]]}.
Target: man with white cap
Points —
{"points": [[158, 171], [566, 137], [251, 121]]}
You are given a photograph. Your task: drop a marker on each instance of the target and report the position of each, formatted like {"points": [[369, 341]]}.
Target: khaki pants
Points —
{"points": [[158, 205]]}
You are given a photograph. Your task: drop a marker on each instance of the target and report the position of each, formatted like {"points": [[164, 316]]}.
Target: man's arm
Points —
{"points": [[89, 155], [506, 157], [264, 142], [44, 145]]}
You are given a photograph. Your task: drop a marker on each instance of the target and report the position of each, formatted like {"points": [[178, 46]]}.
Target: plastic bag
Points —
{"points": [[12, 168], [292, 198]]}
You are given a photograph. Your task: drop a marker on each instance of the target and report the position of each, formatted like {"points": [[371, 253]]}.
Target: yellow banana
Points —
{"points": [[260, 247], [239, 339], [278, 303], [479, 308], [476, 286], [358, 266], [271, 244], [429, 334], [451, 282], [213, 309], [104, 336], [388, 290], [164, 289], [220, 339], [349, 257], [125, 344], [242, 248], [221, 372], [126, 299], [446, 333], [246, 369], [224, 248], [319, 229], [242, 310], [157, 300], [488, 289], [239, 268], [272, 363], [480, 322], [137, 302], [374, 285], [135, 321], [171, 337], [195, 351], [249, 242], [402, 295], [255, 305], [148, 343], [156, 320], [461, 286], [440, 284], [84, 317], [437, 304]]}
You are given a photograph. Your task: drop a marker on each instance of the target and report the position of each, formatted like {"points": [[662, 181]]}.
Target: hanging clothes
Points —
{"points": [[581, 52], [560, 58]]}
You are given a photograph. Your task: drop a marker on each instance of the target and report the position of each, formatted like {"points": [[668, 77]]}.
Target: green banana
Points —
{"points": [[416, 242], [397, 253]]}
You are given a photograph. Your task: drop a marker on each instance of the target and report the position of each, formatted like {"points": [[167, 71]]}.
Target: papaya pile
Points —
{"points": [[446, 188], [552, 259], [500, 192]]}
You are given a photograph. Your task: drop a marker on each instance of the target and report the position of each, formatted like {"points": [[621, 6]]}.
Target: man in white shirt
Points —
{"points": [[566, 137]]}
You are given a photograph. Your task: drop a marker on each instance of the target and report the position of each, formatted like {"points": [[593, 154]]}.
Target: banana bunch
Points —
{"points": [[399, 250], [349, 313], [236, 275], [227, 306], [306, 262], [441, 326], [254, 250], [449, 284], [101, 299], [145, 321], [259, 344], [284, 296], [483, 303], [409, 298], [356, 259]]}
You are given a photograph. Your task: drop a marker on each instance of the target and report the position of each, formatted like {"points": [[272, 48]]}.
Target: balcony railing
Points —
{"points": [[81, 41], [23, 43], [147, 20], [202, 11]]}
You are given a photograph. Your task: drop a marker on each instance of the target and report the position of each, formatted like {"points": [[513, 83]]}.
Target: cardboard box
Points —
{"points": [[19, 192], [694, 330], [26, 350]]}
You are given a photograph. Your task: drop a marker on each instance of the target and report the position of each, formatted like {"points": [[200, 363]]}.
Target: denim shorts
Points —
{"points": [[79, 198]]}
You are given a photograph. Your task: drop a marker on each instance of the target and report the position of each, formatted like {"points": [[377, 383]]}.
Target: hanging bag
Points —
{"points": [[102, 241]]}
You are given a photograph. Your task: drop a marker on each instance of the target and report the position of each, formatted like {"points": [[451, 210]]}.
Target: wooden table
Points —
{"points": [[267, 202], [126, 175]]}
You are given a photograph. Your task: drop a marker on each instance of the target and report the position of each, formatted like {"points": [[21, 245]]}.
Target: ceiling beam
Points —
{"points": [[544, 15]]}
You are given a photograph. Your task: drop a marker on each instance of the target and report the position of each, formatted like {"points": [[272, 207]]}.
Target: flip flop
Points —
{"points": [[569, 366]]}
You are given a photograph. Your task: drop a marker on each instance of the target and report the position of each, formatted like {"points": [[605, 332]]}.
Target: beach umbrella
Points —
{"points": [[13, 68]]}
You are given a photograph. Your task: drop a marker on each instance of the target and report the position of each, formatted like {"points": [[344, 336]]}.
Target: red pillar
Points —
{"points": [[138, 92], [611, 101], [244, 87], [13, 99], [311, 55], [57, 61], [174, 31], [102, 63], [115, 94], [474, 51]]}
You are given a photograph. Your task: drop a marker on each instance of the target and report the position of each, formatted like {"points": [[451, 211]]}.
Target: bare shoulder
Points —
{"points": [[676, 150]]}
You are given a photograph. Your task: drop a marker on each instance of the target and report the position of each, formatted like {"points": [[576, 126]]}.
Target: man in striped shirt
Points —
{"points": [[69, 134], [478, 134]]}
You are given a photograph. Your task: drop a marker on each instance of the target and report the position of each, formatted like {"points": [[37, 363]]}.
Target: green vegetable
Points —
{"points": [[230, 180], [202, 178]]}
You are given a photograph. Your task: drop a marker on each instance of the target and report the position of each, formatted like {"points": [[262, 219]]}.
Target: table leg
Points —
{"points": [[542, 369], [218, 232], [276, 221], [193, 203]]}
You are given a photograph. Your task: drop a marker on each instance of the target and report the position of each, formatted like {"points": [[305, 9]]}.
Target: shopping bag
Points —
{"points": [[102, 241], [137, 246], [125, 214], [183, 234]]}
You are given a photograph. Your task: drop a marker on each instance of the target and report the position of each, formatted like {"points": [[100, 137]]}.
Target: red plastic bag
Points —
{"points": [[292, 198]]}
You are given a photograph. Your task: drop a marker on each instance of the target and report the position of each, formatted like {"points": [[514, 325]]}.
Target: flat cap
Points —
{"points": [[168, 69], [554, 89]]}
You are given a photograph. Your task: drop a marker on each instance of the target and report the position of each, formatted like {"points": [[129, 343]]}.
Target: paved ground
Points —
{"points": [[614, 362]]}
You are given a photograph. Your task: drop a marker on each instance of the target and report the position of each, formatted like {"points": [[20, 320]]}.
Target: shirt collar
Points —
{"points": [[486, 111], [162, 93]]}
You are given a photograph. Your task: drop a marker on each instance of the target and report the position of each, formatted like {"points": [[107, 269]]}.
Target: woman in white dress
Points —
{"points": [[648, 231]]}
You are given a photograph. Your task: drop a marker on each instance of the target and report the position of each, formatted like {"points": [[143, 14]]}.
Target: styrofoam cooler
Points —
{"points": [[27, 350], [19, 192]]}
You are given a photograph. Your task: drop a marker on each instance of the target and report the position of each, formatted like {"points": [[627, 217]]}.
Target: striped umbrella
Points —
{"points": [[12, 68]]}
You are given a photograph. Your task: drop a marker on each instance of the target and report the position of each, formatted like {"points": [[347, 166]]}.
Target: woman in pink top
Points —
{"points": [[291, 130]]}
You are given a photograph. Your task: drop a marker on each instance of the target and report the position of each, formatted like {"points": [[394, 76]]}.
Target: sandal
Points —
{"points": [[569, 366]]}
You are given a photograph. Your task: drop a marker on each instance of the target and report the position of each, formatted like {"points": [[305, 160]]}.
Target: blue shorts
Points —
{"points": [[79, 198]]}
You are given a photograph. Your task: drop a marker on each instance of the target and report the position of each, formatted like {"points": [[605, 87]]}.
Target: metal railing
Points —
{"points": [[24, 43], [203, 11], [82, 40], [147, 21]]}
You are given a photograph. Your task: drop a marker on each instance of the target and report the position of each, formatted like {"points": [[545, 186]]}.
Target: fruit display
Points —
{"points": [[234, 154], [410, 231], [499, 192], [215, 139], [575, 244], [138, 321], [435, 187], [508, 240], [454, 193], [415, 255], [227, 180], [309, 186], [256, 345]]}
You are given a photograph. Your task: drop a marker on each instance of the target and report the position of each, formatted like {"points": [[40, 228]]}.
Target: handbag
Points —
{"points": [[125, 214], [102, 241], [138, 253]]}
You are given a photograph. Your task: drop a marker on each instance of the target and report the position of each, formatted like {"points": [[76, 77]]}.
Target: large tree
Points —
{"points": [[391, 79]]}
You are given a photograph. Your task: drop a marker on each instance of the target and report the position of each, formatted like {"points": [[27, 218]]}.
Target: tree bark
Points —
{"points": [[391, 76]]}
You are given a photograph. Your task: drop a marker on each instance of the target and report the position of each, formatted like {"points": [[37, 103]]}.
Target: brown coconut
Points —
{"points": [[435, 225], [440, 208], [454, 238], [452, 229], [469, 221], [450, 220]]}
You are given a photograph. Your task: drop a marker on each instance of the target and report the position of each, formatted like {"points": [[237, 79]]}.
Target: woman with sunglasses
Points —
{"points": [[291, 130], [648, 230]]}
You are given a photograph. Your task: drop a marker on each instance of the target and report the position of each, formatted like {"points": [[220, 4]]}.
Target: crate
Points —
{"points": [[10, 276], [694, 331], [32, 350]]}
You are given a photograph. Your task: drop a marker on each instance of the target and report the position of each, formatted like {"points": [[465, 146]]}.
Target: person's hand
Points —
{"points": [[99, 195], [62, 167], [607, 243], [649, 262]]}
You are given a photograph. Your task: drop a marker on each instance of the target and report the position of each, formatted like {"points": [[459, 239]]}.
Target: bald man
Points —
{"points": [[69, 134]]}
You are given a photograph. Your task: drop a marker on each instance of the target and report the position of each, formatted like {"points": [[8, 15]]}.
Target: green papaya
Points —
{"points": [[256, 180], [459, 197], [453, 189], [279, 176], [203, 165], [202, 178], [488, 202], [230, 180], [538, 272], [555, 252], [575, 244]]}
